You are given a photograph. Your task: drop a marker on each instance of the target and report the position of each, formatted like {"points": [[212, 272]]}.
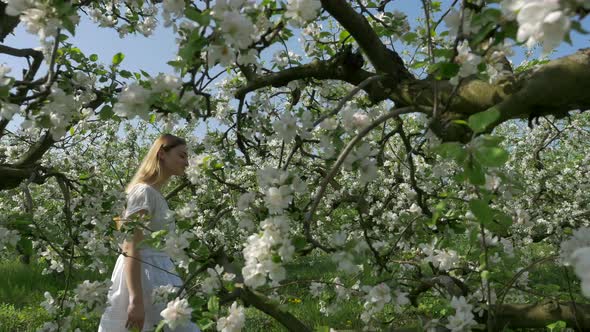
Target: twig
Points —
{"points": [[323, 185], [348, 97]]}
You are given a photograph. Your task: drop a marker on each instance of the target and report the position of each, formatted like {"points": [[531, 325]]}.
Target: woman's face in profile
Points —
{"points": [[176, 160]]}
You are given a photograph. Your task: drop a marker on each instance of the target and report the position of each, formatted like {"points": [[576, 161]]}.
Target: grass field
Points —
{"points": [[23, 286]]}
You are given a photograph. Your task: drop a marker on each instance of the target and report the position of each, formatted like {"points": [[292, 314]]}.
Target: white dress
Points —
{"points": [[143, 197]]}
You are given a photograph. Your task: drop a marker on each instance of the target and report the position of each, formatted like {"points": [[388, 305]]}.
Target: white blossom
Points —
{"points": [[160, 294], [222, 54], [172, 9], [463, 319], [581, 261], [468, 61], [94, 294], [237, 29], [278, 199], [302, 11], [235, 321], [4, 79], [286, 127], [132, 102], [177, 313], [541, 21]]}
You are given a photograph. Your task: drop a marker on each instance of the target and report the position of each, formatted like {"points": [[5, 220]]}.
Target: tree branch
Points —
{"points": [[345, 66], [7, 22], [383, 59]]}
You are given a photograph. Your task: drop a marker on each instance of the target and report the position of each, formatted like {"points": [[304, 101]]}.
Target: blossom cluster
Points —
{"points": [[93, 294], [576, 251], [260, 249], [235, 321], [175, 246], [40, 17], [463, 319], [8, 237], [136, 99], [440, 258], [177, 313], [540, 21]]}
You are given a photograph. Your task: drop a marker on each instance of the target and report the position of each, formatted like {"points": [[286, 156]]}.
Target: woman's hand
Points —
{"points": [[135, 315]]}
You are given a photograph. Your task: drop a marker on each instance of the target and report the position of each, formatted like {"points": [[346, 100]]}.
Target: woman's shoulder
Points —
{"points": [[137, 188], [142, 188]]}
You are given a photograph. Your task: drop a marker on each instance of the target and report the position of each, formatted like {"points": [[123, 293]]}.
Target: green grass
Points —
{"points": [[21, 292], [23, 286], [24, 318], [302, 305]]}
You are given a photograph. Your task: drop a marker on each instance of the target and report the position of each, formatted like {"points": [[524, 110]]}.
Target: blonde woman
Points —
{"points": [[141, 270]]}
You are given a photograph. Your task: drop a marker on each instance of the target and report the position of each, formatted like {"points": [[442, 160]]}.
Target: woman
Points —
{"points": [[141, 270]]}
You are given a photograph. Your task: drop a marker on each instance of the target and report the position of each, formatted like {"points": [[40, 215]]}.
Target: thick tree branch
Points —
{"points": [[539, 315], [555, 88], [345, 66], [36, 151], [7, 22], [250, 297], [383, 59], [11, 177]]}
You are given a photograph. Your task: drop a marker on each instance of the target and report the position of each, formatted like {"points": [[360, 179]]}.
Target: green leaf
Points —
{"points": [[438, 210], [442, 70], [410, 37], [479, 122], [343, 35], [443, 52], [298, 242], [213, 304], [451, 150], [491, 156], [322, 329], [125, 73], [118, 58], [202, 18], [93, 57], [106, 112], [483, 33], [5, 90], [176, 64], [577, 26], [485, 275], [206, 323], [26, 246], [482, 211], [160, 326], [502, 222], [159, 234], [495, 221], [419, 64], [557, 326], [461, 122], [69, 25], [490, 140], [474, 173]]}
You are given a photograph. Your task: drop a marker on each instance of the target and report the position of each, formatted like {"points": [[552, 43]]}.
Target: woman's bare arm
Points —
{"points": [[135, 311]]}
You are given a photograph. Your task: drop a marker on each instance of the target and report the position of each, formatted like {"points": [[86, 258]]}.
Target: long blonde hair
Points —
{"points": [[149, 171]]}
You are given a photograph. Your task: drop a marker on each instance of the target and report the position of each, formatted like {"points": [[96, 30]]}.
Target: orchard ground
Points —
{"points": [[24, 285]]}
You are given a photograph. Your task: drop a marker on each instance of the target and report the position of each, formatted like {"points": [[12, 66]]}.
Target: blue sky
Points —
{"points": [[152, 53]]}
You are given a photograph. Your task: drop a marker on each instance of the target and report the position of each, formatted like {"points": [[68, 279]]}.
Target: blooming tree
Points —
{"points": [[336, 128]]}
